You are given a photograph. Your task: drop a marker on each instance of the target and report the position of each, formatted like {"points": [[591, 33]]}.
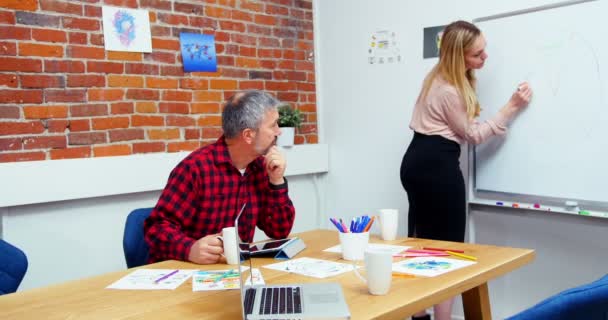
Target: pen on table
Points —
{"points": [[441, 249], [403, 275], [166, 276], [456, 254]]}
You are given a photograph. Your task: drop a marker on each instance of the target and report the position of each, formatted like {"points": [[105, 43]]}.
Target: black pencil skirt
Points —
{"points": [[431, 176]]}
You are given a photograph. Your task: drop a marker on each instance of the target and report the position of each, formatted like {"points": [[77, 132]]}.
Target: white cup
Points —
{"points": [[389, 219], [378, 267], [353, 244], [229, 240]]}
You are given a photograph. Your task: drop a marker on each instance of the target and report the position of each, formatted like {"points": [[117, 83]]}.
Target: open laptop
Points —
{"points": [[288, 301]]}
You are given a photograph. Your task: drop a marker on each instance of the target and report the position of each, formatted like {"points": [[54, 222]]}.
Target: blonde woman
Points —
{"points": [[443, 119]]}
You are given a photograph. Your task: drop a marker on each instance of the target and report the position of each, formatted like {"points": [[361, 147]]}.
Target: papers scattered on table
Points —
{"points": [[206, 280], [152, 279], [311, 267], [429, 266], [374, 246]]}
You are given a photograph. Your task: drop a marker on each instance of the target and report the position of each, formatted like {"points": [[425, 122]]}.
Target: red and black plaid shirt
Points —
{"points": [[204, 194]]}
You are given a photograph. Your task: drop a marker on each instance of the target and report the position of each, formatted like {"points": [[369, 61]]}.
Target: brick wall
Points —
{"points": [[63, 96]]}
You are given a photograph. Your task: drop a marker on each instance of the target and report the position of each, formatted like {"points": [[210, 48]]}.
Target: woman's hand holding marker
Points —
{"points": [[522, 96]]}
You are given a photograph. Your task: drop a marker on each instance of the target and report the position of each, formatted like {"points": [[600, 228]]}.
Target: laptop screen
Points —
{"points": [[242, 249]]}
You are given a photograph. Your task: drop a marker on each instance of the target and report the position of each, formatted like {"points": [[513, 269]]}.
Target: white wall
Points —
{"points": [[80, 237], [365, 112]]}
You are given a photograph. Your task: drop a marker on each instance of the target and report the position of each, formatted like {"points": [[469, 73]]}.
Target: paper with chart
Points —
{"points": [[429, 266], [311, 267], [207, 280], [152, 279], [393, 249]]}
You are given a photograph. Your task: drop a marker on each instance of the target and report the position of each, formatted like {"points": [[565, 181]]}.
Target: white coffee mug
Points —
{"points": [[229, 240], [389, 219], [378, 267], [353, 244]]}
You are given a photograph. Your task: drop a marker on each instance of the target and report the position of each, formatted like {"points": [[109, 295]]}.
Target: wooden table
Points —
{"points": [[88, 298]]}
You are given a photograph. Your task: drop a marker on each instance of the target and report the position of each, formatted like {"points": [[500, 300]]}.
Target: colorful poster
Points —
{"points": [[429, 266], [126, 29], [198, 52], [383, 48]]}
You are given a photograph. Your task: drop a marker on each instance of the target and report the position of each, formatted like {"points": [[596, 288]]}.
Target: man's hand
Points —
{"points": [[207, 250], [275, 165]]}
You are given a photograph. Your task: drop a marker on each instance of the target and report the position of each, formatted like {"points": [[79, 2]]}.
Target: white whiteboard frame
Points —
{"points": [[526, 201]]}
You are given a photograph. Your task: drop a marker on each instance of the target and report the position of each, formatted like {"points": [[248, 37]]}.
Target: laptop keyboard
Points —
{"points": [[283, 300], [249, 299]]}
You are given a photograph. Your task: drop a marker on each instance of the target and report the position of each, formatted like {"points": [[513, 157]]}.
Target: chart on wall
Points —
{"points": [[558, 146]]}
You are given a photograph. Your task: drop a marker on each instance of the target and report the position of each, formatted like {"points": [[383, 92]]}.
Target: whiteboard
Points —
{"points": [[558, 146]]}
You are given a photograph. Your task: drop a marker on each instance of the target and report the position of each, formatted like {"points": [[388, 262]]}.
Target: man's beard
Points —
{"points": [[261, 150]]}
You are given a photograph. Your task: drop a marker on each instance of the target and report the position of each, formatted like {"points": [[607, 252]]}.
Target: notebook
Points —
{"points": [[287, 301]]}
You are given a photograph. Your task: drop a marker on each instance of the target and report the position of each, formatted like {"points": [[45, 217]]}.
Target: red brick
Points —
{"points": [[28, 5], [250, 85], [8, 80], [272, 42], [268, 64], [146, 107], [173, 107], [164, 134], [110, 123], [17, 33], [81, 24], [71, 153], [242, 16], [88, 110], [180, 121], [77, 37], [183, 146], [188, 8], [173, 19], [306, 86], [112, 150], [47, 35], [157, 4], [216, 12], [257, 29], [298, 139], [232, 26], [60, 66], [205, 108], [41, 81], [122, 108], [54, 126], [125, 81], [210, 121], [223, 84], [279, 86], [161, 83], [308, 128], [212, 133], [142, 94], [147, 121], [287, 64], [174, 95], [105, 94], [264, 19], [86, 81], [86, 138], [126, 134], [140, 68], [20, 96], [40, 50], [165, 44], [159, 31], [12, 128], [172, 71], [92, 11], [308, 108], [86, 52], [147, 147], [288, 96], [73, 95], [192, 134], [8, 48], [122, 3], [124, 56], [164, 57], [61, 6], [44, 142], [208, 96], [7, 17], [79, 125], [22, 156], [252, 6], [11, 144], [9, 112], [96, 39], [196, 84], [276, 10], [45, 112]]}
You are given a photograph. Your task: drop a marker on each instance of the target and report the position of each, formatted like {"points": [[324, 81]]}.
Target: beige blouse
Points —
{"points": [[443, 112]]}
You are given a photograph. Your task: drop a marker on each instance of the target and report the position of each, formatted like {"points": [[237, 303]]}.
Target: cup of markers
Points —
{"points": [[353, 239]]}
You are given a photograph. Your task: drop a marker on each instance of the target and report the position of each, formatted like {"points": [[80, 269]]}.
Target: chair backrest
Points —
{"points": [[588, 301], [13, 265], [133, 243]]}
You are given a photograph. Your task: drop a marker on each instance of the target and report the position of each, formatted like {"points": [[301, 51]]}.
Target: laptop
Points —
{"points": [[287, 301]]}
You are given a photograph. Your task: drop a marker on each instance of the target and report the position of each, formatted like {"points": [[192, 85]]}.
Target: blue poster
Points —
{"points": [[198, 52]]}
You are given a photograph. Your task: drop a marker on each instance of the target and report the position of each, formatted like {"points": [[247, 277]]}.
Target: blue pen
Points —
{"points": [[336, 224], [166, 276]]}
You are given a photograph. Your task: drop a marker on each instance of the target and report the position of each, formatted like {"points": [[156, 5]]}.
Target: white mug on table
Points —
{"points": [[229, 239], [378, 266], [389, 219]]}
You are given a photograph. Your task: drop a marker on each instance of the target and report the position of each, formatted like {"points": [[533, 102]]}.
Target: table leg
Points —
{"points": [[476, 303]]}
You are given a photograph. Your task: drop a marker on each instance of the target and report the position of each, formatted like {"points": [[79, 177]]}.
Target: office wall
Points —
{"points": [[364, 113]]}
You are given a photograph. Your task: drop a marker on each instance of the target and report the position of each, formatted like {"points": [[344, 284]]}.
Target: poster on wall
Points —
{"points": [[432, 41], [383, 48], [126, 29], [198, 52]]}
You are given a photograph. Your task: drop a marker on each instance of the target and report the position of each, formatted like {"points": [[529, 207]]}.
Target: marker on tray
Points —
{"points": [[499, 203]]}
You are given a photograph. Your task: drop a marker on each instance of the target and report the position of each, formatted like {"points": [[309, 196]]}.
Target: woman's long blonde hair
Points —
{"points": [[458, 37]]}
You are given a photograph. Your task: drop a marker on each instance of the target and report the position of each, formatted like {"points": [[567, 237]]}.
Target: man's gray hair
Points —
{"points": [[246, 111]]}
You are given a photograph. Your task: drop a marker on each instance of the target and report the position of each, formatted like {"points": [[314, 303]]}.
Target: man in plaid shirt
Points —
{"points": [[207, 189]]}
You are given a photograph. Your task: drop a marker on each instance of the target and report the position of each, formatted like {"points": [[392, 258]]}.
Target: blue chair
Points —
{"points": [[589, 302], [13, 265], [133, 243]]}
